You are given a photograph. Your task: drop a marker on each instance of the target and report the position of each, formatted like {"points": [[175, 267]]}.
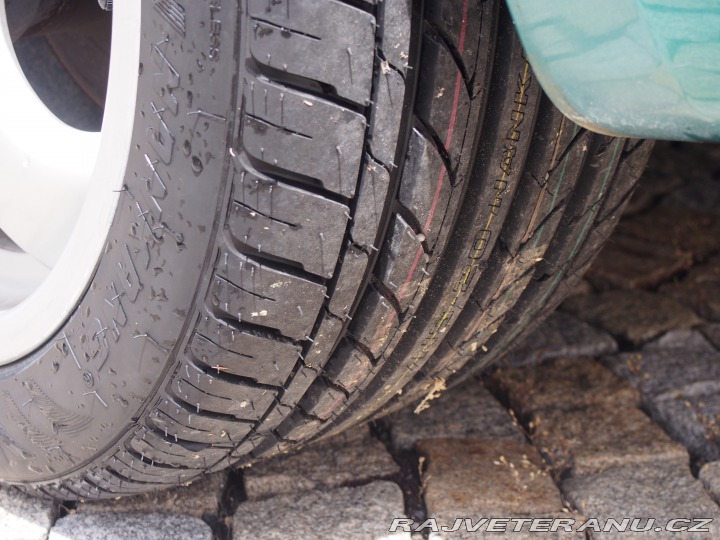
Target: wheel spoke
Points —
{"points": [[45, 172], [20, 274]]}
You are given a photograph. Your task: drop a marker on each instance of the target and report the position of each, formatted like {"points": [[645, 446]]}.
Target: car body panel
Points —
{"points": [[637, 68]]}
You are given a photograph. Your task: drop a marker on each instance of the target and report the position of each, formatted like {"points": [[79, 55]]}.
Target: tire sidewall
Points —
{"points": [[74, 399]]}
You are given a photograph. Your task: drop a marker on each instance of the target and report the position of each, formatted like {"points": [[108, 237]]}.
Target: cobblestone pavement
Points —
{"points": [[610, 409]]}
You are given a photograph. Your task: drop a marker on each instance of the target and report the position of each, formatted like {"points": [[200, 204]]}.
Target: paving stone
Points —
{"points": [[130, 526], [629, 263], [582, 288], [201, 498], [710, 478], [712, 332], [657, 181], [649, 248], [480, 530], [23, 517], [685, 338], [635, 316], [560, 335], [694, 420], [364, 512], [562, 383], [681, 392], [662, 491], [468, 411], [353, 456], [700, 195], [664, 174], [591, 439], [660, 373], [690, 162], [699, 290], [469, 477]]}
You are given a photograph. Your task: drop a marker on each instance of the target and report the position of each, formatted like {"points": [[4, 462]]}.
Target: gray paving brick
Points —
{"points": [[634, 316], [468, 411], [23, 517], [650, 248], [710, 478], [591, 439], [680, 388], [560, 335], [199, 499], [562, 383], [469, 477], [130, 526], [699, 195], [699, 290], [661, 491], [482, 530], [354, 456], [685, 338], [712, 332], [364, 512], [694, 420], [668, 371]]}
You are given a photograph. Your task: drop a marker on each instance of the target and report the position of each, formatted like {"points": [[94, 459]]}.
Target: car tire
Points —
{"points": [[330, 210]]}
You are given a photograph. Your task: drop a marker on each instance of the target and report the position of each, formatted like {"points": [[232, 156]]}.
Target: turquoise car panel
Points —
{"points": [[637, 68]]}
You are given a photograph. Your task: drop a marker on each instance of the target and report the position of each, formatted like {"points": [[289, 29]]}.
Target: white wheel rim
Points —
{"points": [[59, 189]]}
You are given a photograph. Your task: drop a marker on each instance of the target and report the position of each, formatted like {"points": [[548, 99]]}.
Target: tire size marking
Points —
{"points": [[215, 29], [479, 246]]}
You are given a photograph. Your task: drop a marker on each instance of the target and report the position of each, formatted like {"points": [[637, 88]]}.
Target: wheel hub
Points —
{"points": [[59, 189]]}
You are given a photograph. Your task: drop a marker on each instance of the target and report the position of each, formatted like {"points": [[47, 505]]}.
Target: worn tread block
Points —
{"points": [[187, 416], [297, 387], [321, 400], [443, 102], [451, 19], [375, 323], [402, 262], [287, 222], [298, 427], [83, 485], [254, 293], [348, 367], [386, 116], [352, 269], [303, 134], [238, 399], [260, 364], [288, 400], [371, 199], [164, 423], [115, 484], [336, 48], [131, 481], [421, 191], [323, 342], [111, 482], [183, 449], [129, 464], [396, 33], [244, 342], [174, 454]]}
